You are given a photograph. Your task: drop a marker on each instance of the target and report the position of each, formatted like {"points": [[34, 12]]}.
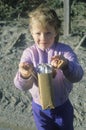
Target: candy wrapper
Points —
{"points": [[45, 86]]}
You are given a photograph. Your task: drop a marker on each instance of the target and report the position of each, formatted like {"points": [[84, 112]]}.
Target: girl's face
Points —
{"points": [[43, 37]]}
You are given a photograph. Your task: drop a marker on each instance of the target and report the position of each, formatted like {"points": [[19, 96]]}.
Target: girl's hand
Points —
{"points": [[25, 69], [59, 61]]}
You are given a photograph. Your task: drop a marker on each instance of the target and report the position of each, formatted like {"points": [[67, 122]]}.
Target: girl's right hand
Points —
{"points": [[25, 70]]}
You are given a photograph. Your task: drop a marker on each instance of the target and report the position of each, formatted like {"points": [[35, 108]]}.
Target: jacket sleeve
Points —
{"points": [[23, 84], [74, 71], [19, 82]]}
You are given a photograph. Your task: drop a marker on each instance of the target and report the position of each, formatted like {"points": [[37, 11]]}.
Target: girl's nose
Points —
{"points": [[43, 36]]}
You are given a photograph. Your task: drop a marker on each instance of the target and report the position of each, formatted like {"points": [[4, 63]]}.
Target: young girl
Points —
{"points": [[44, 27]]}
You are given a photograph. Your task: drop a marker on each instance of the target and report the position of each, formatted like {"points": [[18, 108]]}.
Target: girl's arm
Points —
{"points": [[67, 61], [22, 83], [24, 78], [73, 72]]}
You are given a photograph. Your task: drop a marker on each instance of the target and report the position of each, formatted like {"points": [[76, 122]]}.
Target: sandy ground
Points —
{"points": [[15, 105]]}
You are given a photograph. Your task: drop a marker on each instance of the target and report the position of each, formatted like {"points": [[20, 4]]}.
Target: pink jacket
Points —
{"points": [[63, 82]]}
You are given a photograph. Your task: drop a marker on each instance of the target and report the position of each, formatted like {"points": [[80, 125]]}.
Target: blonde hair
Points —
{"points": [[45, 16]]}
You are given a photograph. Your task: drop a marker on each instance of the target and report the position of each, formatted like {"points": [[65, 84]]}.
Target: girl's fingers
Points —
{"points": [[25, 66], [25, 69]]}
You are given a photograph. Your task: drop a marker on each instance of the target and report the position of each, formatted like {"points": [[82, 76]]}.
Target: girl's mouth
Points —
{"points": [[43, 43]]}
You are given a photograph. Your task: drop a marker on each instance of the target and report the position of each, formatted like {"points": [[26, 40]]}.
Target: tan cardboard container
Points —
{"points": [[46, 90]]}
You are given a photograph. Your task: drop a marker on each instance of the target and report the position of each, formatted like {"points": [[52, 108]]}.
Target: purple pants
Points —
{"points": [[60, 118]]}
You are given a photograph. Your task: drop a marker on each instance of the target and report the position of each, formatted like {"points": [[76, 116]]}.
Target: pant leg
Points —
{"points": [[43, 118], [68, 116], [65, 115]]}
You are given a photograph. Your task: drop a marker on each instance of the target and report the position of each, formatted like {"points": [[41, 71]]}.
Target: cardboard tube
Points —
{"points": [[46, 90]]}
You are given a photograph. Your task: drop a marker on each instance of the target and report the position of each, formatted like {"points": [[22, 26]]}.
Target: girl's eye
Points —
{"points": [[37, 33], [48, 33]]}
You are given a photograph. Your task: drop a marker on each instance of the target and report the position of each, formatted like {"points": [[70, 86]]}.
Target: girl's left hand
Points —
{"points": [[59, 61]]}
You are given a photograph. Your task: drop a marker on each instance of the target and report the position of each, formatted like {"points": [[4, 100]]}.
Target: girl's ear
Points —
{"points": [[56, 34], [31, 31], [57, 37]]}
